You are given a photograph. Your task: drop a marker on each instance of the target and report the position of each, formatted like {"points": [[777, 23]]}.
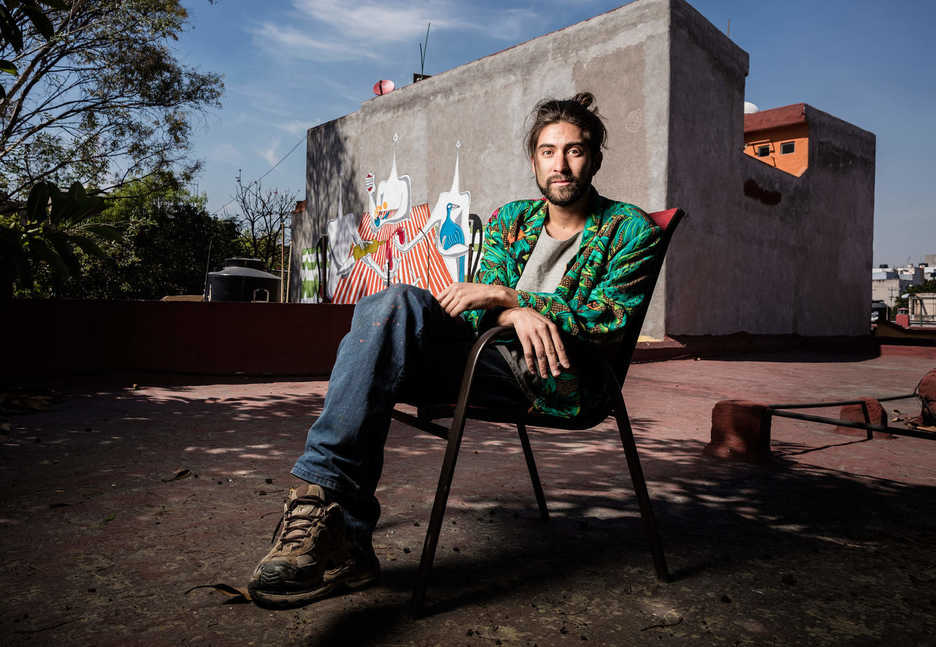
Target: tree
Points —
{"points": [[926, 286], [11, 29], [45, 235], [264, 217], [101, 102], [167, 233], [51, 224]]}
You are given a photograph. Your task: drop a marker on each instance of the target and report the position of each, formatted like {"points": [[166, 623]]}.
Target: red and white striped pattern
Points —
{"points": [[422, 266]]}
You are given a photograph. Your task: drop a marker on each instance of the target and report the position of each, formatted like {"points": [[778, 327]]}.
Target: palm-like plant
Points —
{"points": [[48, 229]]}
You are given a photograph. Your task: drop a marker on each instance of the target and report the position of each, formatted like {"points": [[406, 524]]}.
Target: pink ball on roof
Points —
{"points": [[383, 87]]}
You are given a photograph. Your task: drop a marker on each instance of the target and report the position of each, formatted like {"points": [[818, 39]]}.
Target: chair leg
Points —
{"points": [[438, 511], [534, 475], [640, 489]]}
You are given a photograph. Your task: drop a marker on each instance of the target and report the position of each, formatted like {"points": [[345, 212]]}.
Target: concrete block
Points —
{"points": [[740, 431], [853, 413], [927, 392]]}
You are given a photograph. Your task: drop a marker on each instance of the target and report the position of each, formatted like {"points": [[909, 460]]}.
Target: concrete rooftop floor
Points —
{"points": [[833, 545]]}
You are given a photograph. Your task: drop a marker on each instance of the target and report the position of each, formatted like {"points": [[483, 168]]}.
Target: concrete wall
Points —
{"points": [[837, 231], [762, 251], [620, 56], [61, 337], [704, 152], [671, 87]]}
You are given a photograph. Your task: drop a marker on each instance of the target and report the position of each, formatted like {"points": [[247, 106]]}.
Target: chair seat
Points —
{"points": [[436, 411]]}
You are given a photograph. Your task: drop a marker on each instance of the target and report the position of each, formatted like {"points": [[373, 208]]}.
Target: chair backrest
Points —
{"points": [[666, 220], [477, 231]]}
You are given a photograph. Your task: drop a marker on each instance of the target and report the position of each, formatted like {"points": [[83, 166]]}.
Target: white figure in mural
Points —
{"points": [[450, 217], [342, 238], [363, 250], [393, 196]]}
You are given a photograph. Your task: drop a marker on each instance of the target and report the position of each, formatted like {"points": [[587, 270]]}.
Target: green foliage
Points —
{"points": [[45, 233], [12, 13], [96, 96], [102, 100], [925, 286], [163, 249]]}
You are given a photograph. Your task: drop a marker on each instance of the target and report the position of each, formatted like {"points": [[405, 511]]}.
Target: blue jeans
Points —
{"points": [[402, 346]]}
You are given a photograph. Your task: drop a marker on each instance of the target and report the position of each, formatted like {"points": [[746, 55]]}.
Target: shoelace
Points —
{"points": [[298, 525]]}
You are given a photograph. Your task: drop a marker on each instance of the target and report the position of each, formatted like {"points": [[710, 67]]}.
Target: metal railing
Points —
{"points": [[778, 410]]}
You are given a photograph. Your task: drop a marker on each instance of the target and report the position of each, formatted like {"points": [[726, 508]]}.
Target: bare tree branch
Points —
{"points": [[264, 214]]}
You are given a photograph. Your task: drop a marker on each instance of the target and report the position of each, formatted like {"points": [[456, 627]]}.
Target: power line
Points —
{"points": [[271, 169]]}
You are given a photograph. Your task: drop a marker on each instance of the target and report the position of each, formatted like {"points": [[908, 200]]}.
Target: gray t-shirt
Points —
{"points": [[547, 263], [542, 273]]}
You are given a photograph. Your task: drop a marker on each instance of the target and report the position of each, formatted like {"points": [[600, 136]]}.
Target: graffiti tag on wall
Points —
{"points": [[309, 276]]}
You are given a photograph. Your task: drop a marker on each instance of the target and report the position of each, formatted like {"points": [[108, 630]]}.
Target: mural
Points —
{"points": [[396, 241], [309, 276]]}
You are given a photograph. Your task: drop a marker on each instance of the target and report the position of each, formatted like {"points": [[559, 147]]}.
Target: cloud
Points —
{"points": [[299, 44], [296, 126], [381, 22], [329, 30], [270, 154]]}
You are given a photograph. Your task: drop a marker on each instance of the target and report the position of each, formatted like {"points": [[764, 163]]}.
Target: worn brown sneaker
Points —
{"points": [[312, 556]]}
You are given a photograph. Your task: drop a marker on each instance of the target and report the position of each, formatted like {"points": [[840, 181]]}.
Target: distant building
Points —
{"points": [[923, 308], [912, 274], [779, 137], [882, 273], [886, 285]]}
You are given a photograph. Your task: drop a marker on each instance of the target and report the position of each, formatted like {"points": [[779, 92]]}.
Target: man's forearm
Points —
{"points": [[458, 297], [507, 297]]}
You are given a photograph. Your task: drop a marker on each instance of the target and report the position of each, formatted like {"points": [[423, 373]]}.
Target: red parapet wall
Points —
{"points": [[53, 338]]}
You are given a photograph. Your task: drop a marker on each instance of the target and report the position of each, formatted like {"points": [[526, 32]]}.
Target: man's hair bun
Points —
{"points": [[585, 99]]}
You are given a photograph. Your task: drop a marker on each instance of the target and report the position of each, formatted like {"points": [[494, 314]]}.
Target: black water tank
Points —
{"points": [[243, 279]]}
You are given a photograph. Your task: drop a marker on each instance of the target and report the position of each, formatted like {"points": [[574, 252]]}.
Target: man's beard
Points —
{"points": [[563, 196]]}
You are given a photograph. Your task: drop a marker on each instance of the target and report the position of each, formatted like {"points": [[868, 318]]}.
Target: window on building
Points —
{"points": [[762, 151], [787, 148]]}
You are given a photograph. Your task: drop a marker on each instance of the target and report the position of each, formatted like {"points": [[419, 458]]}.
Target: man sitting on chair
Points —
{"points": [[565, 271]]}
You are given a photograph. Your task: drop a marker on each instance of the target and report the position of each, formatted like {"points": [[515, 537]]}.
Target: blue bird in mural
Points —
{"points": [[450, 234]]}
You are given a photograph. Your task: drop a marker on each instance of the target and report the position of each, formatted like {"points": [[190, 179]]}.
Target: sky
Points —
{"points": [[291, 64]]}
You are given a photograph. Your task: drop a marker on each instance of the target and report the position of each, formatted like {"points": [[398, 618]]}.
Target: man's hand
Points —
{"points": [[539, 337], [458, 297]]}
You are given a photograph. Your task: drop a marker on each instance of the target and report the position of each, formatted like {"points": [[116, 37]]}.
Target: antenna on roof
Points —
{"points": [[423, 50]]}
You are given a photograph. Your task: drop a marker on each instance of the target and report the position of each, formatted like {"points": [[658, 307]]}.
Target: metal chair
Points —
{"points": [[616, 371]]}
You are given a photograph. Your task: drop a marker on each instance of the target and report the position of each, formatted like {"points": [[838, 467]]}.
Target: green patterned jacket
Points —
{"points": [[594, 302]]}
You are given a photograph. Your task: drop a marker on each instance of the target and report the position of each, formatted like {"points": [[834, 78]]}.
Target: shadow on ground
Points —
{"points": [[115, 502]]}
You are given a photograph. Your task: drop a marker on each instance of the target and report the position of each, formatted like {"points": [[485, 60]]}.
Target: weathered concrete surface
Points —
{"points": [[620, 56], [671, 87], [834, 546], [797, 266]]}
